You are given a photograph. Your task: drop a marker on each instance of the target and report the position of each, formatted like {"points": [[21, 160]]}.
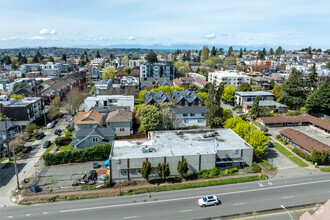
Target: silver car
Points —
{"points": [[207, 201]]}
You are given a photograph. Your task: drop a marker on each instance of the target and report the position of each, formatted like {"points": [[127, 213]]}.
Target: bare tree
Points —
{"points": [[73, 100]]}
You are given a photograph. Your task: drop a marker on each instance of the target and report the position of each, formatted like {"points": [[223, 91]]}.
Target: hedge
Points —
{"points": [[61, 141], [214, 173], [96, 152], [302, 154], [256, 167]]}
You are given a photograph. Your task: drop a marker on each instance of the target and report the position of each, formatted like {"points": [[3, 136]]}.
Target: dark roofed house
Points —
{"points": [[151, 98], [186, 98], [302, 141]]}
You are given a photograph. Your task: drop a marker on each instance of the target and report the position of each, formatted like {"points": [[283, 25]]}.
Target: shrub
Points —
{"points": [[70, 127], [278, 137], [234, 170], [214, 172], [61, 141], [302, 154], [264, 129], [256, 168], [97, 152], [68, 134], [31, 127], [248, 169]]}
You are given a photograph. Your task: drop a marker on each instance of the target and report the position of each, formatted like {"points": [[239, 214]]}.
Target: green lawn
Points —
{"points": [[267, 165], [325, 169], [66, 147], [48, 150], [291, 156], [32, 139]]}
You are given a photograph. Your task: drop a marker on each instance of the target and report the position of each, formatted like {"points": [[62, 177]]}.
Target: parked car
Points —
{"points": [[239, 111], [51, 125], [40, 135], [47, 144], [27, 149], [270, 144], [55, 122], [58, 132], [95, 164], [207, 201]]}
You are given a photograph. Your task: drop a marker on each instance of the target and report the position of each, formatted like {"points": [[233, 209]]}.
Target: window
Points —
{"points": [[200, 120], [185, 121], [95, 139], [122, 129], [203, 114], [235, 151], [185, 115], [191, 114]]}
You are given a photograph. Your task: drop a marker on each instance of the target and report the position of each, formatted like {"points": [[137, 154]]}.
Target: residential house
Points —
{"points": [[24, 111], [151, 98], [121, 122], [262, 81], [277, 78], [196, 76], [201, 83], [6, 85], [11, 130], [127, 81], [108, 101], [51, 69], [189, 116], [102, 85], [186, 98], [183, 82], [233, 78]]}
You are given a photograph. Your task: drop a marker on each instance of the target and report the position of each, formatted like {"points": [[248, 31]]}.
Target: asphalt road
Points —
{"points": [[235, 198]]}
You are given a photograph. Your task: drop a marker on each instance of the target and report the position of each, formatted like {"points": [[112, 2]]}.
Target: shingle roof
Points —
{"points": [[158, 97], [189, 96], [303, 140], [99, 131], [91, 117], [201, 81], [190, 109], [119, 116]]}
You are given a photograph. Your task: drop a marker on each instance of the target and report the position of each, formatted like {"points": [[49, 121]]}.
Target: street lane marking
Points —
{"points": [[241, 203], [270, 183], [287, 197], [186, 210], [129, 217], [283, 168], [260, 184], [195, 197]]}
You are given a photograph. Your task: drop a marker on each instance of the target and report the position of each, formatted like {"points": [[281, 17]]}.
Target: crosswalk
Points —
{"points": [[262, 185]]}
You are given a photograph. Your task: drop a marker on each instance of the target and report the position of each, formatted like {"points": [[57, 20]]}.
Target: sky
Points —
{"points": [[292, 24]]}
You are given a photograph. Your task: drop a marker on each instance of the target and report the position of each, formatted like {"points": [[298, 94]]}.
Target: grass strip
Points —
{"points": [[32, 139], [195, 185], [47, 151], [287, 153], [325, 169], [267, 165], [66, 147]]}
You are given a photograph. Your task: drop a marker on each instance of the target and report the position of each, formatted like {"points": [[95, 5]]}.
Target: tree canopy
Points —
{"points": [[182, 67], [214, 111], [277, 91], [245, 86], [255, 110], [229, 93], [109, 73], [205, 53], [258, 140], [319, 101], [151, 57]]}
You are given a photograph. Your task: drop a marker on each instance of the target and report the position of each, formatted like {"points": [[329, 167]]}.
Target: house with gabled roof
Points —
{"points": [[151, 98], [88, 119], [121, 121], [186, 98]]}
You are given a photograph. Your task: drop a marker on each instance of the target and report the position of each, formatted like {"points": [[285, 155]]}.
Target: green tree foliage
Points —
{"points": [[261, 55], [140, 99], [312, 78], [328, 64], [203, 96], [213, 51], [324, 156], [204, 72], [98, 54], [294, 93], [271, 51], [277, 91], [127, 70], [244, 87], [230, 61], [272, 83], [279, 51], [17, 97], [242, 128], [214, 111], [240, 53], [258, 140], [255, 110], [163, 170], [55, 108], [230, 51], [7, 60], [182, 68], [51, 59], [96, 152], [232, 122], [151, 57], [64, 57], [315, 155], [208, 63], [226, 114], [109, 73], [150, 118], [319, 101], [168, 89], [205, 53], [229, 93], [182, 167], [146, 169], [14, 66]]}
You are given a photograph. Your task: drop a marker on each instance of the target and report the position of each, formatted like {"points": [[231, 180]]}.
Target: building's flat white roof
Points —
{"points": [[229, 74], [104, 97], [178, 143]]}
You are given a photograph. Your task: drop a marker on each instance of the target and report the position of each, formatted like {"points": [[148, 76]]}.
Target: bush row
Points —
{"points": [[97, 152], [302, 154], [214, 172], [61, 141]]}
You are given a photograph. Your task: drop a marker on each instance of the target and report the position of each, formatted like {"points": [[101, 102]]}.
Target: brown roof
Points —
{"points": [[276, 77], [91, 117], [303, 140], [254, 74], [177, 82], [295, 119], [186, 78], [119, 116], [201, 81]]}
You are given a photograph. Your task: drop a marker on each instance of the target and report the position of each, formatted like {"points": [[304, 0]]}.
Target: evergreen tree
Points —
{"points": [[294, 93], [272, 83], [146, 169], [214, 111], [319, 100], [51, 59], [244, 50], [19, 56], [213, 51], [312, 78], [230, 51], [160, 170], [240, 53], [151, 57], [14, 66], [7, 60], [205, 53], [261, 55], [98, 54], [182, 167], [64, 57], [271, 51], [255, 110], [279, 51]]}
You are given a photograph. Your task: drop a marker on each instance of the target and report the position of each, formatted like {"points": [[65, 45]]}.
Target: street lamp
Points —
{"points": [[282, 206]]}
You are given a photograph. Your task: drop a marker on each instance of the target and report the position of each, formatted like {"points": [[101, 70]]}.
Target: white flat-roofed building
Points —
{"points": [[233, 78], [203, 149], [108, 101], [102, 85]]}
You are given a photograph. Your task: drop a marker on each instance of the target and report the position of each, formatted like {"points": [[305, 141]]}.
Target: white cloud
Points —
{"points": [[37, 38], [9, 38], [210, 36], [47, 32], [131, 38]]}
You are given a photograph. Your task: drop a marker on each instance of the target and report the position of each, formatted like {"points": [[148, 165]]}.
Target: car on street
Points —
{"points": [[208, 201], [239, 112], [51, 125], [58, 132], [27, 149], [47, 144], [40, 135]]}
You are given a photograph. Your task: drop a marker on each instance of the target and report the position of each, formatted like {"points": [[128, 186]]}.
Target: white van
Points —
{"points": [[50, 125]]}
